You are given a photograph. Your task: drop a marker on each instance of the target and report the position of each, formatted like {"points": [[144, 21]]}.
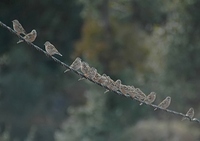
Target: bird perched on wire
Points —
{"points": [[30, 37], [124, 89], [103, 80], [133, 93], [115, 85], [190, 114], [110, 84], [165, 103], [140, 95], [50, 49], [150, 98], [118, 84], [85, 68], [18, 27], [76, 65], [96, 77], [92, 72]]}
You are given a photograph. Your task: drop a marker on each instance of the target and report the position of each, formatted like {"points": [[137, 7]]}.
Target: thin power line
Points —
{"points": [[82, 75]]}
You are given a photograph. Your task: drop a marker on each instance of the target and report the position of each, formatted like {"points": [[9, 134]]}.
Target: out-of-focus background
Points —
{"points": [[153, 45]]}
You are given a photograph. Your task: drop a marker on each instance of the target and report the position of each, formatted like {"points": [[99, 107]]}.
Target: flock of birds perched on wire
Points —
{"points": [[104, 80]]}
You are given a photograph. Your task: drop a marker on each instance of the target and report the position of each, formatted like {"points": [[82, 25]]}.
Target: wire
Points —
{"points": [[82, 75]]}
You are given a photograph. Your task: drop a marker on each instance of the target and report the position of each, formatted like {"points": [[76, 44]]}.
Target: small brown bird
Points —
{"points": [[140, 95], [30, 37], [133, 93], [50, 49], [115, 85], [110, 85], [132, 88], [190, 114], [150, 98], [96, 77], [18, 27], [124, 89], [76, 65], [85, 68], [165, 103], [92, 72], [103, 80], [109, 80], [118, 84]]}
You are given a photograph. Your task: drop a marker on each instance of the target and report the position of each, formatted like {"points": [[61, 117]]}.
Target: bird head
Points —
{"points": [[34, 32], [168, 98], [15, 21], [46, 43]]}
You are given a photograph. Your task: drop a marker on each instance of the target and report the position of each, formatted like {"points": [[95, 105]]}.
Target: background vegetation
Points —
{"points": [[153, 45]]}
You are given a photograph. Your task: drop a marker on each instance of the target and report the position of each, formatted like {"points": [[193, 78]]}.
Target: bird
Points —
{"points": [[124, 89], [103, 80], [50, 49], [133, 93], [190, 114], [140, 95], [118, 84], [85, 68], [115, 85], [150, 98], [96, 77], [92, 72], [110, 85], [165, 103], [30, 37], [18, 27], [76, 65]]}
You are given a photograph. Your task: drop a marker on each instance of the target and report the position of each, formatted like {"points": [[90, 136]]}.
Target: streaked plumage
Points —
{"points": [[18, 27], [150, 98], [110, 85], [165, 103], [190, 114], [103, 80], [30, 37], [133, 93], [118, 84], [96, 77], [124, 89], [92, 72], [140, 95], [76, 65], [85, 68], [51, 49]]}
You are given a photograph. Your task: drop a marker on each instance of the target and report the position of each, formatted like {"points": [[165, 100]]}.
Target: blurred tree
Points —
{"points": [[31, 84], [126, 39], [106, 38], [185, 47], [183, 60]]}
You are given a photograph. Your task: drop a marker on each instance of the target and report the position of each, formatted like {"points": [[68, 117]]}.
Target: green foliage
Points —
{"points": [[152, 45], [168, 130], [184, 49]]}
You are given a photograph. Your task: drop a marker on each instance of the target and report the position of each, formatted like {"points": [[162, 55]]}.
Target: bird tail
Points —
{"points": [[184, 118], [24, 33], [59, 54], [155, 109], [66, 70], [82, 78], [20, 41]]}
